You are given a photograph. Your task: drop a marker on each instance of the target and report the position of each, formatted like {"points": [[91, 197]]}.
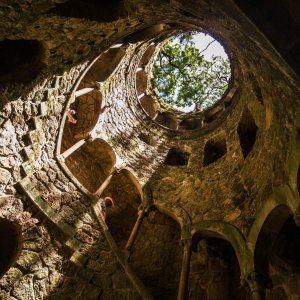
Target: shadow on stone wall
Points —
{"points": [[156, 255]]}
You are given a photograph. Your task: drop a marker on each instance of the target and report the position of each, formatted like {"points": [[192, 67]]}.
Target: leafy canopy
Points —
{"points": [[184, 78]]}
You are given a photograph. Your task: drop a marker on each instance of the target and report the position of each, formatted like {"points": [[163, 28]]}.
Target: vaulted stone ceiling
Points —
{"points": [[200, 200]]}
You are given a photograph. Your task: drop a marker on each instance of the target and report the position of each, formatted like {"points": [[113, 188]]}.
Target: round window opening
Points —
{"points": [[191, 71]]}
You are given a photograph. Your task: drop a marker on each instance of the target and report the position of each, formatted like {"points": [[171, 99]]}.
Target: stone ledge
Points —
{"points": [[50, 213], [79, 258]]}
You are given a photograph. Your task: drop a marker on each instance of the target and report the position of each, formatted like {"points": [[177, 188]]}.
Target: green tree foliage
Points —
{"points": [[184, 78]]}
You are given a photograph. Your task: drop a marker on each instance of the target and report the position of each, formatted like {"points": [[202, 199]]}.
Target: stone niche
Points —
{"points": [[214, 271], [147, 139], [141, 81], [247, 130], [214, 149], [178, 156], [190, 124], [167, 120], [91, 163], [21, 60], [88, 109], [156, 255], [276, 254], [284, 262], [122, 215], [10, 244], [149, 105], [105, 65]]}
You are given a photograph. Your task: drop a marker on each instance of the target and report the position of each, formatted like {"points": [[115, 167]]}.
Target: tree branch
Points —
{"points": [[171, 63], [207, 46], [160, 63]]}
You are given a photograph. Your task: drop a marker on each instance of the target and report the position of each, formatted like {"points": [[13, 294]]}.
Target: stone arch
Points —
{"points": [[228, 232], [87, 101], [104, 65], [134, 179], [178, 214], [214, 269], [294, 162], [267, 236], [127, 196], [91, 164], [11, 240], [282, 279], [277, 253], [282, 196], [147, 55], [293, 165], [145, 34]]}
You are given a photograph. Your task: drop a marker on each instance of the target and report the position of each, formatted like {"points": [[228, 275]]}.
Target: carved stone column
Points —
{"points": [[141, 214], [76, 146], [256, 288], [185, 267], [105, 183]]}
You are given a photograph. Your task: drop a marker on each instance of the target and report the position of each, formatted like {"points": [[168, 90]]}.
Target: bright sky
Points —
{"points": [[202, 40]]}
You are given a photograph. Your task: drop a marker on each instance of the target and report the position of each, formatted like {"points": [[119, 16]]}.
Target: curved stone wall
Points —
{"points": [[225, 177]]}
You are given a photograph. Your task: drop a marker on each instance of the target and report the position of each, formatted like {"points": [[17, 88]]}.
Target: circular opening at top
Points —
{"points": [[191, 71]]}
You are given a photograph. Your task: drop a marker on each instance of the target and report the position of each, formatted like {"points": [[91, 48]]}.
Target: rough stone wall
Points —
{"points": [[79, 255], [230, 189], [283, 263], [43, 265], [214, 272], [90, 164], [59, 230], [284, 35], [122, 216], [29, 128], [158, 241], [124, 132]]}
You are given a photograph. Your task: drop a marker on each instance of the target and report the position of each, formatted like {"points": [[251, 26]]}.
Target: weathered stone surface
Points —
{"points": [[158, 241], [91, 292], [41, 288], [24, 288], [42, 273], [5, 176], [233, 189], [13, 275], [30, 261], [56, 279], [104, 281], [211, 265]]}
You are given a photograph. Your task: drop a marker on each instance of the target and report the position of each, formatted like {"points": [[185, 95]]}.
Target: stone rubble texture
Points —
{"points": [[65, 251]]}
